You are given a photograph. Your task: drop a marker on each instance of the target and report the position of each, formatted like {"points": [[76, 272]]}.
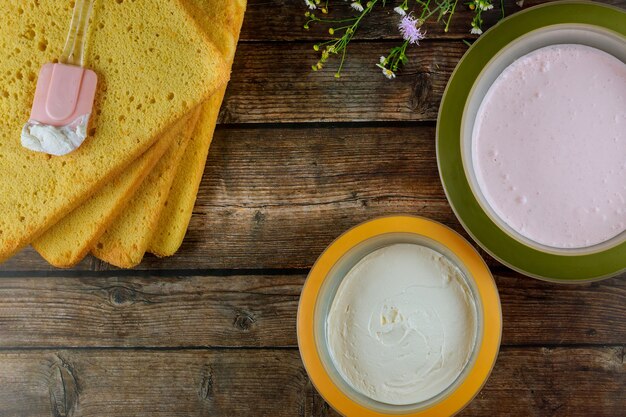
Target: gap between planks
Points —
{"points": [[519, 346]]}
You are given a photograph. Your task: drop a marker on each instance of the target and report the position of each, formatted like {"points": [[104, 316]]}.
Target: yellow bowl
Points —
{"points": [[321, 286]]}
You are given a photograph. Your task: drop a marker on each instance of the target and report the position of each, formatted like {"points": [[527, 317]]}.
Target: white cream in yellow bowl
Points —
{"points": [[399, 316], [402, 325]]}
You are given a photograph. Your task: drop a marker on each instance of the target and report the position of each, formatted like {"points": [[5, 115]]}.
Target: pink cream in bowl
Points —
{"points": [[549, 146]]}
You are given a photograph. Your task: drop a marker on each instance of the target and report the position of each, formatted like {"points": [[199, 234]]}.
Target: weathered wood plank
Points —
{"points": [[539, 382], [273, 82], [260, 311], [292, 191], [282, 20], [525, 381], [263, 22], [154, 311]]}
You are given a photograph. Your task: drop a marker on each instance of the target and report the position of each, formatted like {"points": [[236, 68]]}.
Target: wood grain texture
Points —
{"points": [[293, 190], [260, 311], [262, 24], [530, 381], [273, 83], [269, 20]]}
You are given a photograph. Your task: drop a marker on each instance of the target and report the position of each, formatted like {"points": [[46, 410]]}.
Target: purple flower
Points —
{"points": [[410, 30]]}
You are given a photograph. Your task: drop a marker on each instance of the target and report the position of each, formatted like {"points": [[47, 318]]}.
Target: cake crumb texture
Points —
{"points": [[67, 242], [221, 21], [154, 66], [124, 242]]}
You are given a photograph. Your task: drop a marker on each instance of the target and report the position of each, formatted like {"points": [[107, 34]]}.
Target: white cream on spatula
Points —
{"points": [[549, 146], [402, 325], [64, 95], [53, 140]]}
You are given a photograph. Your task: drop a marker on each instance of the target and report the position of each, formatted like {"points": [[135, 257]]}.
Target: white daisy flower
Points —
{"points": [[356, 5], [382, 59], [387, 72], [400, 11], [310, 4], [476, 30], [484, 5]]}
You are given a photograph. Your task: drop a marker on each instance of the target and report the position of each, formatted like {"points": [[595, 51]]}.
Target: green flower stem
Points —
{"points": [[340, 45], [396, 57], [342, 31], [450, 17], [425, 9]]}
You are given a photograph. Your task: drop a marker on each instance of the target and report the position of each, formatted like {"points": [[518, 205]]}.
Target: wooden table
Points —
{"points": [[299, 158]]}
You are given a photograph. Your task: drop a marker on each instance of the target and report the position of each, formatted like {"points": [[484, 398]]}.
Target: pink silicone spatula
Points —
{"points": [[64, 95]]}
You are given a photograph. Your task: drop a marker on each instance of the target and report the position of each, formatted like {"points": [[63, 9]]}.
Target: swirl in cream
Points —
{"points": [[402, 325]]}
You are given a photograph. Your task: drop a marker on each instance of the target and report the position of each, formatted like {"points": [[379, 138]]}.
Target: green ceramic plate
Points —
{"points": [[596, 25]]}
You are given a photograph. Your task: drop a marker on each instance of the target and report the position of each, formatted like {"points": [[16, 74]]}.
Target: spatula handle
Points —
{"points": [[75, 43]]}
